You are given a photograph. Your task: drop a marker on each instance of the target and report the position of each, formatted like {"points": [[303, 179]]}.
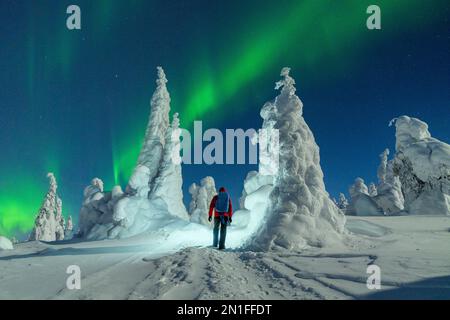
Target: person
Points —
{"points": [[223, 213]]}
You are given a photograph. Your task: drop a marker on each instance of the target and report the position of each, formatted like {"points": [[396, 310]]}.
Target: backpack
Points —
{"points": [[222, 203]]}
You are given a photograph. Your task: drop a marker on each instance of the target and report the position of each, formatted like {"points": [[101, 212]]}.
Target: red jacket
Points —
{"points": [[213, 205]]}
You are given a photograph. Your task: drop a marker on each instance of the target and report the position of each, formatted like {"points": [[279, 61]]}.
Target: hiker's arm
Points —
{"points": [[230, 209], [212, 205]]}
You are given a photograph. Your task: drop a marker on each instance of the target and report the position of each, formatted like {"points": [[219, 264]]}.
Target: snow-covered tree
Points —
{"points": [[343, 202], [362, 204], [422, 165], [49, 223], [382, 169], [373, 190], [96, 209], [359, 187], [154, 192], [389, 194], [168, 185], [151, 153], [300, 210], [69, 228], [201, 196]]}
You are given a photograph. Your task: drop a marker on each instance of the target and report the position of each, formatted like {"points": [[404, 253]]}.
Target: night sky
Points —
{"points": [[76, 103]]}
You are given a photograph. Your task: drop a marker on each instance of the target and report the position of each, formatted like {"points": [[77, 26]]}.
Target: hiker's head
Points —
{"points": [[222, 189]]}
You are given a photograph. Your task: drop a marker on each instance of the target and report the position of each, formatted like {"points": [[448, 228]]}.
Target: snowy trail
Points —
{"points": [[412, 253]]}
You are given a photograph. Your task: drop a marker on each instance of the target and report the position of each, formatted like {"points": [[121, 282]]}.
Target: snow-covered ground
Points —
{"points": [[412, 252]]}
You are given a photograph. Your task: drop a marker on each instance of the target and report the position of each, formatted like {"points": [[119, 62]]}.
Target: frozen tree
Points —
{"points": [[201, 198], [343, 203], [389, 195], [382, 169], [151, 153], [69, 228], [49, 223], [300, 211], [154, 192], [373, 190], [422, 165], [168, 185], [362, 203], [96, 209], [359, 187]]}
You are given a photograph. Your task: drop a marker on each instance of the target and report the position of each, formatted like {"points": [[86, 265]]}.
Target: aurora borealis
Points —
{"points": [[76, 102]]}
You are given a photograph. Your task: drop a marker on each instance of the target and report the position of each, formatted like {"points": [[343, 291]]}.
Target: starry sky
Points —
{"points": [[76, 102]]}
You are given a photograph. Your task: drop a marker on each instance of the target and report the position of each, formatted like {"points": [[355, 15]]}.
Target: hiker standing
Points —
{"points": [[221, 204]]}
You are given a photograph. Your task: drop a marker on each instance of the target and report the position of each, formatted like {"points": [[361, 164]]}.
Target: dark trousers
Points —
{"points": [[223, 232]]}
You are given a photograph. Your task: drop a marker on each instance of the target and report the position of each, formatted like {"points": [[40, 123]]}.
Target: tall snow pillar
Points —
{"points": [[152, 149], [168, 185], [300, 211]]}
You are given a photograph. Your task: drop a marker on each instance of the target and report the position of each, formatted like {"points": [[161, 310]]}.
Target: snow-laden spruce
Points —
{"points": [[389, 197], [342, 202], [5, 244], [300, 211], [96, 211], [168, 184], [68, 233], [49, 224], [154, 192], [152, 150], [415, 181], [201, 196], [362, 204], [422, 164]]}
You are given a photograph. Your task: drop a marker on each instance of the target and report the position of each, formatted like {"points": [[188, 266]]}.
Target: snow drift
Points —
{"points": [[5, 244]]}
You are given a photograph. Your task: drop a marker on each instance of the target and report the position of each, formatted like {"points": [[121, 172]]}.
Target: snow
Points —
{"points": [[49, 223], [410, 250], [364, 205], [423, 166], [201, 198], [168, 184], [343, 202], [155, 138], [415, 181], [289, 240], [5, 244], [154, 190], [300, 212], [358, 188]]}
